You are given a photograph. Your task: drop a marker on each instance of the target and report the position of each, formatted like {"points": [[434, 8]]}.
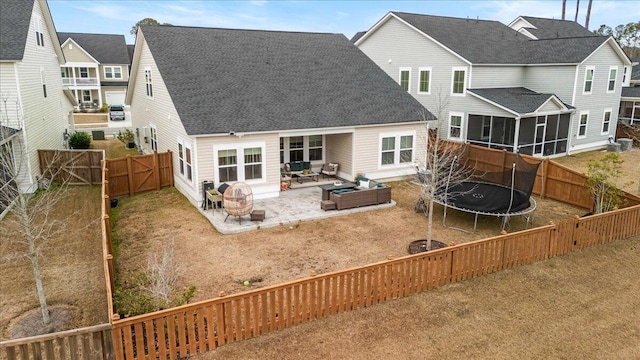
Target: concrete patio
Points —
{"points": [[300, 203]]}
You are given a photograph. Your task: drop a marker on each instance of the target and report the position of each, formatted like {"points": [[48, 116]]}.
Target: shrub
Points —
{"points": [[126, 136], [104, 108], [602, 176], [79, 140]]}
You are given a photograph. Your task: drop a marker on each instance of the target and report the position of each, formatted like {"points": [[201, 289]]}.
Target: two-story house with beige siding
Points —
{"points": [[541, 87], [34, 108], [96, 69], [235, 105]]}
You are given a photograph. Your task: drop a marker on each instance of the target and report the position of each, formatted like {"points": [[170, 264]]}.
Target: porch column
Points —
{"points": [[99, 86]]}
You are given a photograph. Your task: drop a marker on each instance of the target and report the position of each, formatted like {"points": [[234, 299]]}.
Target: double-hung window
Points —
{"points": [[184, 160], [405, 78], [39, 31], [253, 163], [582, 126], [455, 126], [396, 149], [424, 87], [228, 165], [113, 72], [613, 73], [315, 147], [606, 121], [44, 82], [86, 95], [458, 80], [148, 82], [588, 80], [154, 138], [296, 148], [84, 72]]}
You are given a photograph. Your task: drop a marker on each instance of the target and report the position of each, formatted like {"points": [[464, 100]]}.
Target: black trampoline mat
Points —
{"points": [[486, 198]]}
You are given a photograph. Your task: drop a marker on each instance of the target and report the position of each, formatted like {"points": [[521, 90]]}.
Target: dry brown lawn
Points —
{"points": [[71, 266]]}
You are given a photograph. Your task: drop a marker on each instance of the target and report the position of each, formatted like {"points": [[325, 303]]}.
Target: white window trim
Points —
{"points": [[148, 81], [183, 173], [239, 148], [586, 125], [80, 72], [82, 96], [112, 72], [584, 83], [396, 150], [464, 84], [461, 115], [400, 70], [610, 111], [420, 70], [615, 79]]}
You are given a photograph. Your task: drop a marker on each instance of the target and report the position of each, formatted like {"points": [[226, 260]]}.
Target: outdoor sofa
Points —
{"points": [[365, 194]]}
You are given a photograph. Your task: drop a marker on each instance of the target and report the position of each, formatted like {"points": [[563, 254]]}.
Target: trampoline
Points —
{"points": [[501, 194]]}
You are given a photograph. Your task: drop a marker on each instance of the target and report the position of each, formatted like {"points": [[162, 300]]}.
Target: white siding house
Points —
{"points": [[235, 105], [34, 108], [519, 87]]}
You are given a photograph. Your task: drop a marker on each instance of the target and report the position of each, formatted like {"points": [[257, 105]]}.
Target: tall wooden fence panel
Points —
{"points": [[76, 167], [91, 343], [134, 174]]}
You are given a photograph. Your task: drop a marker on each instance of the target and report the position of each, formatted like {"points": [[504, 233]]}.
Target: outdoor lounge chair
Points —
{"points": [[237, 200], [329, 169]]}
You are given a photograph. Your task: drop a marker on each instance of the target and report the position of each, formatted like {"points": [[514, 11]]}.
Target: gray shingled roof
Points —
{"points": [[552, 28], [518, 99], [106, 48], [15, 17], [631, 92], [223, 80], [491, 42], [357, 36], [130, 49]]}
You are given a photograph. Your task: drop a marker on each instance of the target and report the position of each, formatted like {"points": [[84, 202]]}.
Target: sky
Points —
{"points": [[345, 17]]}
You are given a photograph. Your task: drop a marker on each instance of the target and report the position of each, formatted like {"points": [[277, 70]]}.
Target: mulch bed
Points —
{"points": [[419, 246]]}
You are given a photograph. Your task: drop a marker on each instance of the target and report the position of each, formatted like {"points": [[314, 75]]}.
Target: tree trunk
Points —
{"points": [[586, 23], [577, 8], [33, 256], [564, 8]]}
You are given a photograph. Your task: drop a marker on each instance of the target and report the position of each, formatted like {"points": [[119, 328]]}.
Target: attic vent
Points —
{"points": [[70, 46]]}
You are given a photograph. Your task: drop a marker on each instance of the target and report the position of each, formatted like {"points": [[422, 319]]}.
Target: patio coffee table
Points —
{"points": [[312, 175], [328, 188]]}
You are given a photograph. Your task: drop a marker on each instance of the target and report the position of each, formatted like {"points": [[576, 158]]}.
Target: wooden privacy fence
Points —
{"points": [[107, 244], [134, 174], [90, 343], [203, 326], [77, 167], [553, 181]]}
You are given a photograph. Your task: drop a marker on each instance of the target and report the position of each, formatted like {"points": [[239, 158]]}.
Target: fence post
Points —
{"points": [[156, 170], [545, 169], [171, 167], [130, 176]]}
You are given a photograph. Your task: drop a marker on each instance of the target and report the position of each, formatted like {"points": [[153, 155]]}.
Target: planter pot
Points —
{"points": [[131, 145], [114, 203]]}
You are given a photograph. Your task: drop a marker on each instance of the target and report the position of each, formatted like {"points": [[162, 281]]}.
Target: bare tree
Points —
{"points": [[577, 9], [162, 274], [30, 222], [586, 22], [564, 8], [442, 166]]}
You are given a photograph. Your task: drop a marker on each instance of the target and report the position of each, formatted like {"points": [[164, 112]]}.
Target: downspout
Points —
{"points": [[573, 103]]}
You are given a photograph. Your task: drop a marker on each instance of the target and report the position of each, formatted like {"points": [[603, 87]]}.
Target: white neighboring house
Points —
{"points": [[539, 86], [35, 110], [96, 69], [235, 105]]}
